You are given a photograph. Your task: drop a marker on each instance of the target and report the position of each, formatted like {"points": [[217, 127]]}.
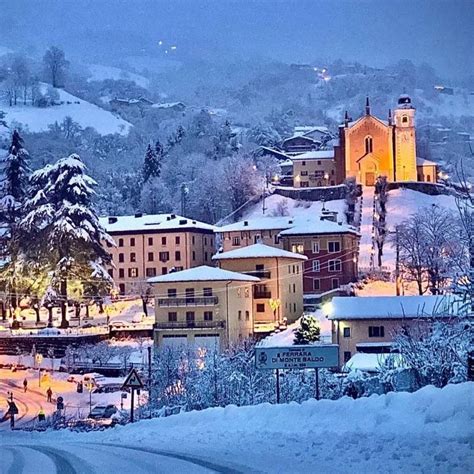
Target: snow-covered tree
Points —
{"points": [[62, 228], [152, 163], [263, 135], [309, 330], [55, 65]]}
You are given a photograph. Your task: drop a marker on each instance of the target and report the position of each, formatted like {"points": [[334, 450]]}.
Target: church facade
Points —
{"points": [[370, 147]]}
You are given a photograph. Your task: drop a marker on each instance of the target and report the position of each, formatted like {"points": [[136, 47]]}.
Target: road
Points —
{"points": [[85, 458]]}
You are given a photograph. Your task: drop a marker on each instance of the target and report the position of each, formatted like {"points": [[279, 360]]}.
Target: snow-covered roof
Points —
{"points": [[304, 137], [305, 129], [261, 223], [319, 227], [151, 222], [393, 307], [202, 273], [168, 105], [315, 155], [258, 251], [424, 162]]}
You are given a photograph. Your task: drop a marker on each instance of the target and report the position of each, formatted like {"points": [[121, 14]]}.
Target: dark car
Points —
{"points": [[103, 411]]}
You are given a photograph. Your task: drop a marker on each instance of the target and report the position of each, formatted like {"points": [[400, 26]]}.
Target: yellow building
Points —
{"points": [[150, 245], [203, 306], [314, 169], [278, 297]]}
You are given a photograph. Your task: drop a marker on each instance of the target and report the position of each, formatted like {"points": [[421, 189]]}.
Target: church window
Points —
{"points": [[368, 145], [404, 119]]}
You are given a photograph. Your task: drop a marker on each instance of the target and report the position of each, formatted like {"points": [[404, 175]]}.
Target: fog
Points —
{"points": [[372, 32]]}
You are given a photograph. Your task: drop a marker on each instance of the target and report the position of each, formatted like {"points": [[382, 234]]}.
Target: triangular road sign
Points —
{"points": [[133, 380]]}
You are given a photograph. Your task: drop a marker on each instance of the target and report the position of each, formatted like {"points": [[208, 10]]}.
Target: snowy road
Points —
{"points": [[83, 458]]}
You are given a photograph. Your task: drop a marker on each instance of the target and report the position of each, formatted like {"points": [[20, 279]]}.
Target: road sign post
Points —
{"points": [[133, 382], [299, 357]]}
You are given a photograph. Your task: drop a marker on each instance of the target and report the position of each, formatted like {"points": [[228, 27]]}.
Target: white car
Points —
{"points": [[96, 379]]}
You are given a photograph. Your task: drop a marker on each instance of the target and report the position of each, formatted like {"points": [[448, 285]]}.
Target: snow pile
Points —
{"points": [[429, 430], [84, 113]]}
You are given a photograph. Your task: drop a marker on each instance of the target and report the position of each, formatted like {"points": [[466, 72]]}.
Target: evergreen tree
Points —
{"points": [[308, 331], [16, 171], [152, 163], [62, 229]]}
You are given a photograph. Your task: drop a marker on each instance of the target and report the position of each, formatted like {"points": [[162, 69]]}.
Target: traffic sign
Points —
{"points": [[133, 380], [60, 403]]}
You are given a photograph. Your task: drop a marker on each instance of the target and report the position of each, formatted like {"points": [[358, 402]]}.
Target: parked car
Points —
{"points": [[103, 411], [96, 379]]}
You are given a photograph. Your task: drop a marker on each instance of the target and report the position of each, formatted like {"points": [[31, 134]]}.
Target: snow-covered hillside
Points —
{"points": [[100, 72], [427, 431], [86, 114], [402, 203]]}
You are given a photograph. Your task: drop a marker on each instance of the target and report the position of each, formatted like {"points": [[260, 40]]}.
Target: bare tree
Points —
{"points": [[55, 65]]}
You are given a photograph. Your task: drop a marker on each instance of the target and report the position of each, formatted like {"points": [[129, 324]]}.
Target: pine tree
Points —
{"points": [[309, 330], [151, 164], [63, 231], [16, 172]]}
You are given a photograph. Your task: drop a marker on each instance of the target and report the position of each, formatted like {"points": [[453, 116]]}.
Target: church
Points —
{"points": [[369, 147]]}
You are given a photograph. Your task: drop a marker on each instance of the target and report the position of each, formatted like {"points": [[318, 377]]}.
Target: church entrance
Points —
{"points": [[370, 178]]}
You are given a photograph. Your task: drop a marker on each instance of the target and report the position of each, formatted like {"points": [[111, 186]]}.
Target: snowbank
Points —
{"points": [[426, 431]]}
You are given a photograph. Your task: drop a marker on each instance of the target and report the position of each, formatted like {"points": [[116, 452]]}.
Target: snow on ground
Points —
{"points": [[99, 72], [296, 208], [86, 114], [402, 203], [427, 431]]}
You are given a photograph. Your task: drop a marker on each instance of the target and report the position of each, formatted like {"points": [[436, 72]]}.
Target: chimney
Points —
{"points": [[346, 119], [183, 221], [113, 219], [246, 223], [139, 214], [367, 106], [173, 216]]}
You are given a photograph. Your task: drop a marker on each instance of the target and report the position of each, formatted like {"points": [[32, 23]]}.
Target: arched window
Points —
{"points": [[404, 119], [368, 145]]}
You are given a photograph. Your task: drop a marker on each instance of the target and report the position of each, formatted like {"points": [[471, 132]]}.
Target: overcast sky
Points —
{"points": [[374, 32]]}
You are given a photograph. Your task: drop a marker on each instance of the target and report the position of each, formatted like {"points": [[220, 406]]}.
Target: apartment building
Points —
{"points": [[369, 324], [151, 245], [203, 307], [331, 249], [278, 297]]}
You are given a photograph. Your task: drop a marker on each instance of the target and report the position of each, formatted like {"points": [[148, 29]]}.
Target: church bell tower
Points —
{"points": [[405, 141]]}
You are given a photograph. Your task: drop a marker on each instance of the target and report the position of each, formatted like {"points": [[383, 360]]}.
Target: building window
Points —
{"points": [[260, 307], [163, 240], [150, 240], [164, 270], [189, 292], [347, 356], [334, 265], [177, 255], [240, 315], [121, 273], [133, 257], [207, 292], [172, 317], [111, 272], [205, 256], [120, 243], [164, 256], [294, 287], [177, 240], [316, 246], [346, 332], [404, 119], [171, 292], [316, 284], [316, 266], [205, 240], [207, 315], [297, 248], [122, 288], [193, 240], [247, 315], [121, 258], [304, 184], [334, 247], [276, 239], [304, 173], [303, 163], [150, 272], [151, 256], [132, 242], [133, 272], [190, 316], [194, 255], [319, 162], [236, 241], [376, 331], [335, 283], [178, 269], [368, 145]]}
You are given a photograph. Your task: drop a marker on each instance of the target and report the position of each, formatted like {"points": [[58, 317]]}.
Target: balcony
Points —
{"points": [[189, 325], [187, 301], [262, 295], [259, 273]]}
